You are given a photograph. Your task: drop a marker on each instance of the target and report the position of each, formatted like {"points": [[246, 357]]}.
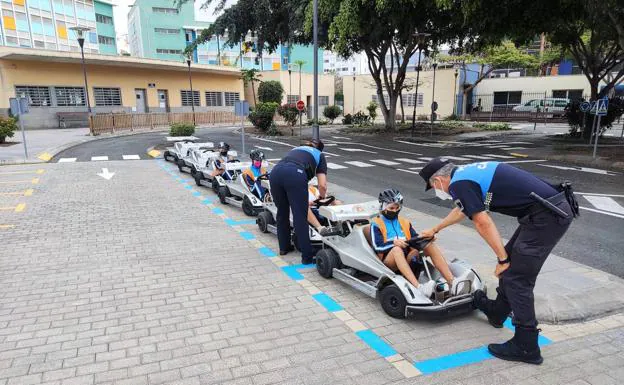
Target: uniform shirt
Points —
{"points": [[308, 157], [497, 187], [394, 231]]}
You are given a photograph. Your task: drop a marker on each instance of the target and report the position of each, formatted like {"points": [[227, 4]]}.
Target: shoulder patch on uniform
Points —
{"points": [[458, 204]]}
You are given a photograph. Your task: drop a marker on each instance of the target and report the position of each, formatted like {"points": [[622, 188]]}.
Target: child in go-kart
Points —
{"points": [[314, 217], [251, 174], [220, 162], [390, 233]]}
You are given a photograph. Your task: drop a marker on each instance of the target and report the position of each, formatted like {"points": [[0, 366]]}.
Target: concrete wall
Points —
{"points": [[30, 73], [365, 88], [533, 84]]}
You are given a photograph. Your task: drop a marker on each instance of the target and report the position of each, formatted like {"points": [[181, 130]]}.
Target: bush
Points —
{"points": [[450, 124], [348, 119], [262, 115], [451, 117], [361, 119], [8, 126], [372, 110], [331, 112], [182, 129], [423, 117], [322, 122], [289, 112], [492, 126], [270, 91], [575, 116], [273, 131]]}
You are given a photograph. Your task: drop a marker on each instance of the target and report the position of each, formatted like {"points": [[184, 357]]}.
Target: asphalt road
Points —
{"points": [[595, 239]]}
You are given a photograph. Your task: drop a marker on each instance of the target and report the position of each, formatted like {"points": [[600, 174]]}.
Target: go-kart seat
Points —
{"points": [[366, 230]]}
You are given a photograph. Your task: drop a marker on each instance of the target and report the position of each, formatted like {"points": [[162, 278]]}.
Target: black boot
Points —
{"points": [[522, 347], [496, 315]]}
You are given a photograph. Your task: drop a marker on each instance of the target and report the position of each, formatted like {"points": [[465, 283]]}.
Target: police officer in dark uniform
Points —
{"points": [[289, 190], [544, 212]]}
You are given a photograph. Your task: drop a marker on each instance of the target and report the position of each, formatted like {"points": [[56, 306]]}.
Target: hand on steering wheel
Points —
{"points": [[420, 242], [264, 176], [328, 200]]}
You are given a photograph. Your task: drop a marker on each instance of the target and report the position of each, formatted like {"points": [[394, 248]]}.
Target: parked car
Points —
{"points": [[554, 105]]}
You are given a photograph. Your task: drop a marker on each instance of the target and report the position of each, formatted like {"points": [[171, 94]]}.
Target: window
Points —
{"points": [[231, 98], [167, 11], [107, 96], [103, 19], [166, 51], [408, 100], [187, 99], [375, 99], [106, 40], [214, 99], [69, 96], [292, 99], [167, 31], [38, 96], [507, 98], [568, 94], [323, 100]]}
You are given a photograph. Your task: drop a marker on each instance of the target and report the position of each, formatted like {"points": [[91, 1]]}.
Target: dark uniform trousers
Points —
{"points": [[528, 249], [289, 190]]}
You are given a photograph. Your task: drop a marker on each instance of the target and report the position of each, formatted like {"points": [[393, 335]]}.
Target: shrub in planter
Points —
{"points": [[331, 113], [182, 129], [347, 119], [289, 112], [270, 91], [492, 126], [8, 126], [360, 118], [372, 110], [262, 115]]}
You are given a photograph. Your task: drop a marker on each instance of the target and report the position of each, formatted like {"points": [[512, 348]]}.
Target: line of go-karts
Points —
{"points": [[345, 253]]}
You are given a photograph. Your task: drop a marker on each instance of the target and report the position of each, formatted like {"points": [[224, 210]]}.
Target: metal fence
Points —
{"points": [[101, 123], [520, 106]]}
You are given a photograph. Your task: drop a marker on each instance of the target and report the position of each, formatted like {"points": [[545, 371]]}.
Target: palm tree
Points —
{"points": [[250, 76], [300, 63]]}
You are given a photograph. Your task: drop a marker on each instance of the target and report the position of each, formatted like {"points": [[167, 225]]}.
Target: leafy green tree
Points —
{"points": [[289, 112], [262, 115], [250, 76], [372, 110], [331, 113], [270, 91], [8, 126]]}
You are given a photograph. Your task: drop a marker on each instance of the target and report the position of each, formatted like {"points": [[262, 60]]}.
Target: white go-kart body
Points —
{"points": [[180, 149], [350, 258], [236, 192]]}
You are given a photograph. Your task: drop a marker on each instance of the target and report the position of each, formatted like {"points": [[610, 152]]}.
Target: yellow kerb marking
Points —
{"points": [[20, 207], [45, 156], [153, 153], [35, 181], [28, 192], [518, 155], [4, 227], [406, 369], [40, 171], [25, 193]]}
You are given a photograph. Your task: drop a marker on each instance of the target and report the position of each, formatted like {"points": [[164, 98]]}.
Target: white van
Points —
{"points": [[545, 105]]}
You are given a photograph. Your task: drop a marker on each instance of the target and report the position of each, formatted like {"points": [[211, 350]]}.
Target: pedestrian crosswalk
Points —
{"points": [[101, 158], [413, 165]]}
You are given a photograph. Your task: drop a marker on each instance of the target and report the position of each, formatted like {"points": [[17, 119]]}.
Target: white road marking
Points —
{"points": [[274, 159], [378, 148], [426, 158], [492, 141], [600, 195], [499, 156], [289, 145], [340, 137], [67, 160], [384, 162], [516, 148], [605, 204], [131, 157], [330, 144], [498, 146], [412, 161], [359, 164], [99, 158], [524, 161], [478, 156], [264, 148], [455, 158], [404, 170], [415, 168], [602, 212], [583, 169], [334, 166], [357, 150]]}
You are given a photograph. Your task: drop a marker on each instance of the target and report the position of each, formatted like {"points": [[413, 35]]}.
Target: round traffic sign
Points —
{"points": [[434, 106], [300, 105], [585, 106]]}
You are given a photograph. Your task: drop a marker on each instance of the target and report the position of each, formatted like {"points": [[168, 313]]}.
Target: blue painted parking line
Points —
{"points": [[247, 235], [196, 193], [376, 343], [292, 273], [188, 186], [218, 211], [207, 201], [267, 252], [233, 222], [327, 302], [453, 360]]}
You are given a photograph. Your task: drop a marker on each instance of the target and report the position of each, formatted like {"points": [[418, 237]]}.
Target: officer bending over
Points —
{"points": [[544, 213]]}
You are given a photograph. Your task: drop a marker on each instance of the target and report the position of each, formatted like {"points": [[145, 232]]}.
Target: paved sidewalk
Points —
{"points": [[42, 144]]}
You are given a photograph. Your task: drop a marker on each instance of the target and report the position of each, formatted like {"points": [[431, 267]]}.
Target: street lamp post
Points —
{"points": [[353, 95], [433, 102], [315, 127], [188, 63], [420, 37], [289, 84], [80, 33], [455, 94]]}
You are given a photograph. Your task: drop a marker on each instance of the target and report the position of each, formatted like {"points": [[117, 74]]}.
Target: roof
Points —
{"points": [[38, 55]]}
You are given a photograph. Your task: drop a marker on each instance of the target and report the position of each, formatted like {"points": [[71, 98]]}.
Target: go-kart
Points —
{"points": [[196, 157], [201, 165], [349, 257], [180, 150], [236, 192]]}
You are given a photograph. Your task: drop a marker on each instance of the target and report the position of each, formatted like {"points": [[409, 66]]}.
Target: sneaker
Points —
{"points": [[463, 283], [427, 288]]}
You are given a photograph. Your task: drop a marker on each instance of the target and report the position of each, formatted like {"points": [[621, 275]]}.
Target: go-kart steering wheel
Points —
{"points": [[328, 200], [419, 243], [264, 176]]}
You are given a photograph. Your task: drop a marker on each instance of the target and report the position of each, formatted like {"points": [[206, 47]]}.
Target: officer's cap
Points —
{"points": [[431, 168]]}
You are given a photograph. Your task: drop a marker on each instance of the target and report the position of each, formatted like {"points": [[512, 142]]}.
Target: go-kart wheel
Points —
{"points": [[326, 261], [223, 193], [180, 163], [198, 177], [215, 185], [248, 208], [392, 301], [264, 220]]}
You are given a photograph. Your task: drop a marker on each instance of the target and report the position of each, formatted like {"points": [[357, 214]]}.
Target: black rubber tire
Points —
{"points": [[392, 301], [248, 208], [198, 177], [326, 261], [223, 193], [215, 185], [264, 220], [180, 163]]}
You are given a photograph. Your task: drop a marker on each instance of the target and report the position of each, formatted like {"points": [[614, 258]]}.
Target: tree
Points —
{"points": [[300, 63], [270, 91], [249, 77], [372, 110], [331, 112], [505, 55], [8, 126]]}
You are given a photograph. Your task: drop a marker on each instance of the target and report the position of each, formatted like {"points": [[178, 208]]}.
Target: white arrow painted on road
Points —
{"points": [[264, 148], [106, 174]]}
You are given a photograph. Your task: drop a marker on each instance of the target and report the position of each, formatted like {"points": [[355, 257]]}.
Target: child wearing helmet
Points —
{"points": [[220, 162], [251, 174], [390, 233], [314, 217]]}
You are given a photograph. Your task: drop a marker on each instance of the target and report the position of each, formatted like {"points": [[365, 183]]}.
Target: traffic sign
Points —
{"points": [[241, 108], [434, 106], [602, 107], [585, 106], [300, 105]]}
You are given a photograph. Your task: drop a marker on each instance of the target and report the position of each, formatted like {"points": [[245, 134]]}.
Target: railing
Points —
{"points": [[102, 123]]}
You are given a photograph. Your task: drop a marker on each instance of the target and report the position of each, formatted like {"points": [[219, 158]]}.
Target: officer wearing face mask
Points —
{"points": [[544, 212]]}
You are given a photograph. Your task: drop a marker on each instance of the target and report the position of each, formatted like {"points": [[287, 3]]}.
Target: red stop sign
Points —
{"points": [[300, 105]]}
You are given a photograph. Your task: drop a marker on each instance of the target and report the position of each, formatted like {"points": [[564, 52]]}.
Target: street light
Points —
{"points": [[80, 33], [353, 95], [315, 127], [420, 39], [434, 106], [188, 58], [455, 94]]}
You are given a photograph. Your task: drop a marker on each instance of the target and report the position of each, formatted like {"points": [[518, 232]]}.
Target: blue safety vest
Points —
{"points": [[481, 173], [311, 150]]}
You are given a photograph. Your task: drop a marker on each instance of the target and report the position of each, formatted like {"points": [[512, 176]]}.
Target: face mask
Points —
{"points": [[257, 163], [224, 153], [390, 214], [441, 194]]}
